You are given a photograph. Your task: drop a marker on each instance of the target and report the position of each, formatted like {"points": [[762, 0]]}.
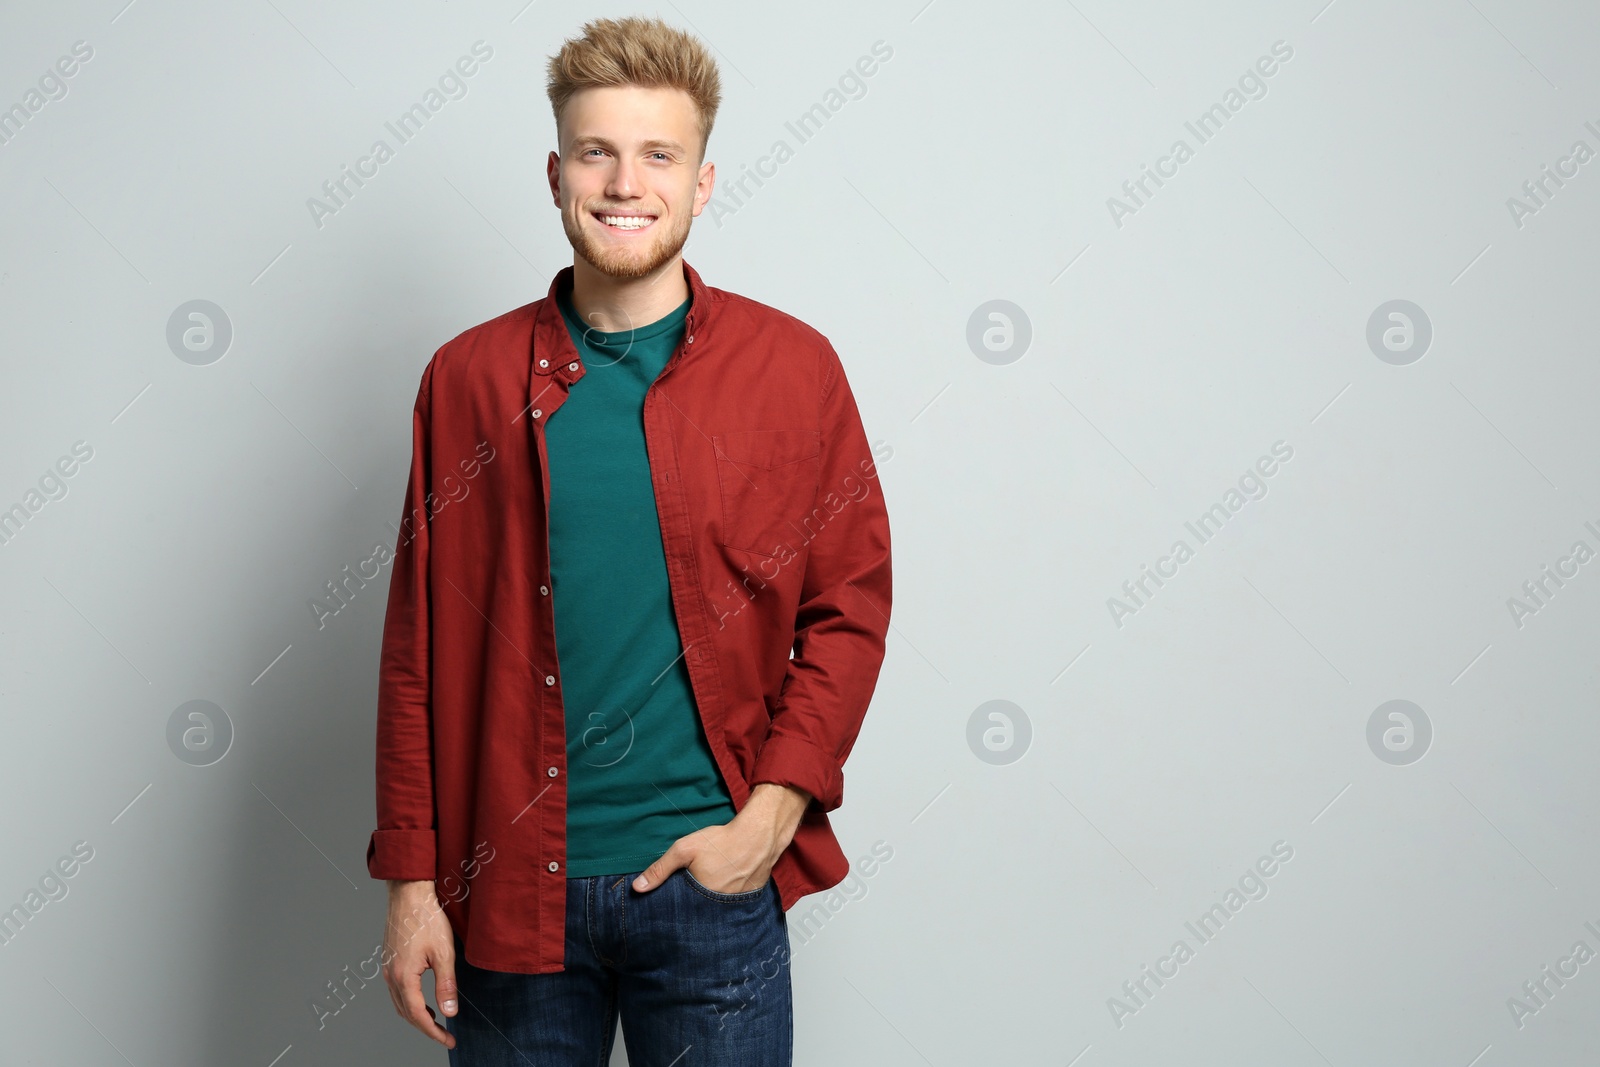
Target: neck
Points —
{"points": [[611, 305]]}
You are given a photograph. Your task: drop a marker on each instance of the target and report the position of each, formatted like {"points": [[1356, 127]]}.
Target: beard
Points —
{"points": [[639, 259]]}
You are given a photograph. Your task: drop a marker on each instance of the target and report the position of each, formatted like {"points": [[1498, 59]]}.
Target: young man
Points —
{"points": [[664, 488]]}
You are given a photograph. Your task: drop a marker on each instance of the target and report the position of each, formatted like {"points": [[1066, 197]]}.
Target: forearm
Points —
{"points": [[777, 810]]}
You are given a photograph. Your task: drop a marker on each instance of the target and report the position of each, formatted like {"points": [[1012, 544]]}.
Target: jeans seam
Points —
{"points": [[588, 916], [622, 922], [610, 1026]]}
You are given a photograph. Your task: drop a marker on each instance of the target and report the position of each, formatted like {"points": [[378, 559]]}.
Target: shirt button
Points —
{"points": [[536, 413], [552, 772], [544, 590], [549, 679], [554, 866], [572, 366], [691, 338], [544, 363]]}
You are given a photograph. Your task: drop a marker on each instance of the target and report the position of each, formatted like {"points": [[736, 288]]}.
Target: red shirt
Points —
{"points": [[776, 540]]}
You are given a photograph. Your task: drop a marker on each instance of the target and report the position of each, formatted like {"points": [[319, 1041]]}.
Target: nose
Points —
{"points": [[624, 184]]}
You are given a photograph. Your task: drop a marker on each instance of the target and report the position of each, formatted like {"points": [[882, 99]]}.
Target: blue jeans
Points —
{"points": [[701, 979]]}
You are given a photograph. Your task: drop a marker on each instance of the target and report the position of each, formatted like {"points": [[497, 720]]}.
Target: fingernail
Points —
{"points": [[448, 1005], [641, 882]]}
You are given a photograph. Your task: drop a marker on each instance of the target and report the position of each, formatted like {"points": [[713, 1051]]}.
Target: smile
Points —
{"points": [[626, 223]]}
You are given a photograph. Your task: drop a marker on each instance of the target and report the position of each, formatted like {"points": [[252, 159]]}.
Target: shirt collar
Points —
{"points": [[552, 344]]}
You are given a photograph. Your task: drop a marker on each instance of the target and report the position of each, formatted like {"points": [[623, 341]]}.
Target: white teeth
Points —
{"points": [[626, 222]]}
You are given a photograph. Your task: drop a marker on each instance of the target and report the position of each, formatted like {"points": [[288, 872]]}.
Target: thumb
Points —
{"points": [[657, 872]]}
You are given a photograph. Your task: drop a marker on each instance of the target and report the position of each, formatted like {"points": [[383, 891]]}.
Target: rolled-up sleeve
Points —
{"points": [[404, 845], [842, 622]]}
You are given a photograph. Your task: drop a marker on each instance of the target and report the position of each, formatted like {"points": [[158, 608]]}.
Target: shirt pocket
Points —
{"points": [[768, 483]]}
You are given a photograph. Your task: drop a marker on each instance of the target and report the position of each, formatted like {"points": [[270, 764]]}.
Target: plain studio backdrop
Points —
{"points": [[1240, 701]]}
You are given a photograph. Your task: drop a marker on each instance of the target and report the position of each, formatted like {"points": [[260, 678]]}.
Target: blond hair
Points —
{"points": [[636, 51]]}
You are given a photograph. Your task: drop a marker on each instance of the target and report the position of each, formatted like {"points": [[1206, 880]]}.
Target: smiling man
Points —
{"points": [[622, 671]]}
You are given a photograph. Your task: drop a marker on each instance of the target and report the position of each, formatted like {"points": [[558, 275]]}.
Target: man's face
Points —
{"points": [[629, 179]]}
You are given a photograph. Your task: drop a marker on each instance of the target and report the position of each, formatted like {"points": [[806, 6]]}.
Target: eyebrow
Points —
{"points": [[592, 140]]}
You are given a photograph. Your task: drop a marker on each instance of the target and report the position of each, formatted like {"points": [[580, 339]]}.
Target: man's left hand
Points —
{"points": [[737, 856]]}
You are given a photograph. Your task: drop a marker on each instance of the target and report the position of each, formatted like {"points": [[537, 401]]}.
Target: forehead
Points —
{"points": [[630, 115]]}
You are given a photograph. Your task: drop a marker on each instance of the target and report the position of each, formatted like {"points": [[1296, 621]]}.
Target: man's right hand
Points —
{"points": [[419, 938]]}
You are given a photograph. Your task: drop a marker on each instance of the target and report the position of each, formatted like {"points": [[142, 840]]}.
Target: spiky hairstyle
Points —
{"points": [[637, 51]]}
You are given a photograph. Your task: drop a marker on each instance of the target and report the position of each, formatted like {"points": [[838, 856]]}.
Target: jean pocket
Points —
{"points": [[727, 898]]}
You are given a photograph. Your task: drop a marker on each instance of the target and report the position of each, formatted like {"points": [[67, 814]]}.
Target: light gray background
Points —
{"points": [[1167, 754]]}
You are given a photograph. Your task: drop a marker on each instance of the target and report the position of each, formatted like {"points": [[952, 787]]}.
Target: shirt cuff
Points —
{"points": [[789, 760], [403, 855]]}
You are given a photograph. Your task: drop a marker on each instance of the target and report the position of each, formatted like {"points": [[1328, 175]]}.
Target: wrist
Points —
{"points": [[779, 807]]}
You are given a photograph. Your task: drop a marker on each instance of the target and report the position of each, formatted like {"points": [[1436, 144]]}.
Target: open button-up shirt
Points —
{"points": [[776, 539]]}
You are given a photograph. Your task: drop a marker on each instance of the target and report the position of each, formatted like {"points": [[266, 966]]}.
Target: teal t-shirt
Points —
{"points": [[640, 773]]}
